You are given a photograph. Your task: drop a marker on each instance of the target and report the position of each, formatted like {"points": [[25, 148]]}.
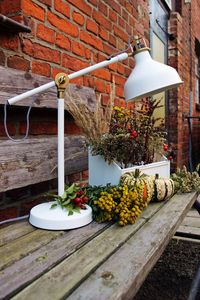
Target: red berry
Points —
{"points": [[134, 133], [85, 199], [170, 157], [165, 147]]}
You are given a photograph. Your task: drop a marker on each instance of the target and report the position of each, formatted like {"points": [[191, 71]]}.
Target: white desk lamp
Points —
{"points": [[148, 77]]}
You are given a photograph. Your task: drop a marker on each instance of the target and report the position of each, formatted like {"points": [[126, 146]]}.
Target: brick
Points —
{"points": [[17, 62], [102, 74], [82, 5], [11, 129], [103, 8], [2, 58], [105, 100], [103, 34], [92, 26], [85, 174], [78, 18], [47, 2], [94, 2], [32, 9], [78, 48], [108, 49], [37, 128], [41, 52], [100, 86], [62, 41], [115, 6], [41, 68], [63, 25], [73, 63], [45, 33], [119, 91], [112, 15], [74, 177], [8, 213], [121, 22], [62, 7], [55, 71], [9, 41], [26, 206], [91, 40], [71, 128], [112, 40], [119, 80], [88, 81], [8, 7], [120, 33], [101, 20]]}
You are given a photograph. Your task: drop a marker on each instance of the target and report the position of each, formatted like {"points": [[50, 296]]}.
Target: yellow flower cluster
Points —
{"points": [[121, 203]]}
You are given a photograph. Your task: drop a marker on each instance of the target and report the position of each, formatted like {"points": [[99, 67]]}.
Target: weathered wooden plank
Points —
{"points": [[192, 222], [124, 272], [193, 213], [32, 266], [33, 160], [13, 231], [14, 82], [21, 247], [61, 280], [189, 230]]}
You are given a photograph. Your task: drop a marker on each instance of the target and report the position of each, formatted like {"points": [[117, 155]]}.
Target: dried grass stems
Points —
{"points": [[93, 122]]}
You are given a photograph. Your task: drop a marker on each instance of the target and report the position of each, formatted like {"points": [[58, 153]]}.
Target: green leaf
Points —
{"points": [[70, 189], [64, 195], [65, 203], [77, 209], [54, 205], [70, 212]]}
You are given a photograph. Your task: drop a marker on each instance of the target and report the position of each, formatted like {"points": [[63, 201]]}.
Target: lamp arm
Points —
{"points": [[74, 75]]}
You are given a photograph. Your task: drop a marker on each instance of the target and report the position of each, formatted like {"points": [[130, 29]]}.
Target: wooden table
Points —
{"points": [[99, 261]]}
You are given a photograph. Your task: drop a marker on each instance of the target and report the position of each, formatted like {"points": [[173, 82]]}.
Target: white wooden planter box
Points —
{"points": [[101, 173]]}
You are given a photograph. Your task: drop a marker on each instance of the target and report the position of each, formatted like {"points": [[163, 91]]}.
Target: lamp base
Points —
{"points": [[45, 217]]}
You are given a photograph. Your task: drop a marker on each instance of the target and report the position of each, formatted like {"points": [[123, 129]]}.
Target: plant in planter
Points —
{"points": [[120, 138]]}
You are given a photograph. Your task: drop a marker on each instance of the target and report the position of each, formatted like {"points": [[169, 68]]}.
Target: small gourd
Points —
{"points": [[163, 189]]}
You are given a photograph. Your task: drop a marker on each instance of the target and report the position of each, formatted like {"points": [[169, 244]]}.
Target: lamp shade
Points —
{"points": [[149, 77]]}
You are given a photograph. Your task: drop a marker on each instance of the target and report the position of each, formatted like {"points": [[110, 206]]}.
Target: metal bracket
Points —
{"points": [[62, 81]]}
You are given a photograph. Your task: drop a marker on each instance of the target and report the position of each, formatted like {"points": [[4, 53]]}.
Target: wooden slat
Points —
{"points": [[194, 231], [14, 82], [61, 280], [21, 247], [33, 160], [193, 213], [14, 231], [34, 265], [192, 222], [124, 272]]}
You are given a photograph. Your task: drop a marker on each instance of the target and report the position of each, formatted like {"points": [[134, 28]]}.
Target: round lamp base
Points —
{"points": [[45, 217]]}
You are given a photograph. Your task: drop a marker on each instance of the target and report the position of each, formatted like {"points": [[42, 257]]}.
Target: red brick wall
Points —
{"points": [[67, 35], [185, 27]]}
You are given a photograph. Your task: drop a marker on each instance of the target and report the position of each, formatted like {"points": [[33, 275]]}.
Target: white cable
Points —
{"points": [[14, 219], [27, 124]]}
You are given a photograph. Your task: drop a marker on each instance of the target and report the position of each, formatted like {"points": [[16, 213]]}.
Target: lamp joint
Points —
{"points": [[62, 81]]}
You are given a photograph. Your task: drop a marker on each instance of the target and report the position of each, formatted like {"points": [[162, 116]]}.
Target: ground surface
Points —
{"points": [[172, 276]]}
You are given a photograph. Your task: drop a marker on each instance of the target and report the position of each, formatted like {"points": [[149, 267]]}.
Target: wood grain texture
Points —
{"points": [[14, 82], [194, 231], [34, 160], [13, 231], [24, 245], [33, 265], [119, 277], [62, 279]]}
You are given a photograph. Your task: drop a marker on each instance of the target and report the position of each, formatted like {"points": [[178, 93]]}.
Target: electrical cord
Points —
{"points": [[27, 124]]}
